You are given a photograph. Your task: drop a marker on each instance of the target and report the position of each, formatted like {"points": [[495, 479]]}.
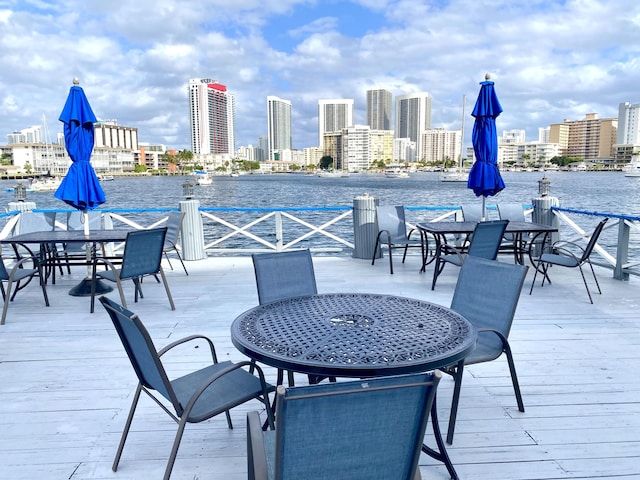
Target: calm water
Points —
{"points": [[609, 192]]}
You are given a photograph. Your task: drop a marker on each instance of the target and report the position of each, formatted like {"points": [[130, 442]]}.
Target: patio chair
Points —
{"points": [[367, 429], [487, 294], [38, 222], [174, 227], [142, 256], [191, 398], [485, 243], [76, 251], [515, 213], [284, 275], [563, 255], [471, 212], [392, 232], [15, 275]]}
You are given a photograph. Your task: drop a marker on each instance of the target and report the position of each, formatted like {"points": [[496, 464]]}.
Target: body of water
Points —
{"points": [[609, 192]]}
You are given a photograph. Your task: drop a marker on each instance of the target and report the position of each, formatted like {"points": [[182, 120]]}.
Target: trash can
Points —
{"points": [[365, 226]]}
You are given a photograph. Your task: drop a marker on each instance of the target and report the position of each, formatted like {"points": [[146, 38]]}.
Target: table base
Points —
{"points": [[83, 289]]}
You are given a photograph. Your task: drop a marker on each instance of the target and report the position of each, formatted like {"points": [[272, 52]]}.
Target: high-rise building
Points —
{"points": [[589, 138], [440, 144], [628, 124], [211, 112], [379, 109], [413, 116], [333, 116], [278, 126]]}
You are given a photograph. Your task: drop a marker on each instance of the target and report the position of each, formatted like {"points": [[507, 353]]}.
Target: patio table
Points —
{"points": [[357, 335], [49, 237], [440, 230]]}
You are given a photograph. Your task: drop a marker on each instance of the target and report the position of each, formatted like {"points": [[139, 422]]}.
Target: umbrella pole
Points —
{"points": [[484, 208]]}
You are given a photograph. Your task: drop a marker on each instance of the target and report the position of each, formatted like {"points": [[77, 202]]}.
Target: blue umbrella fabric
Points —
{"points": [[80, 188], [484, 177]]}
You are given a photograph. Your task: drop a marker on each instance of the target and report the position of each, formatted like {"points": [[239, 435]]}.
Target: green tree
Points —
{"points": [[140, 168], [326, 162]]}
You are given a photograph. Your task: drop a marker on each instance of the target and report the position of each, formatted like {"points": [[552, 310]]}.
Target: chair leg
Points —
{"points": [[166, 287], [390, 258], [182, 262], [166, 255], [7, 299], [127, 425], [457, 377], [176, 445], [375, 250], [594, 277], [437, 270], [514, 377], [585, 284]]}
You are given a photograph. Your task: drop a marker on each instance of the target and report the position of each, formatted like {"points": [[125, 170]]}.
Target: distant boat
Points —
{"points": [[633, 168], [333, 174], [234, 174], [202, 178], [105, 178], [46, 184], [396, 172]]}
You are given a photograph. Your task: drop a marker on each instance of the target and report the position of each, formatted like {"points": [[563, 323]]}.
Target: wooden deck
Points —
{"points": [[66, 385]]}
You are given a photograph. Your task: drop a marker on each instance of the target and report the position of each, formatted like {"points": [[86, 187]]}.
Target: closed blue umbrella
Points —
{"points": [[484, 178], [80, 188]]}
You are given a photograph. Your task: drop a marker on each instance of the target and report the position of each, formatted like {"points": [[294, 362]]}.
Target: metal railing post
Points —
{"points": [[279, 241], [622, 251]]}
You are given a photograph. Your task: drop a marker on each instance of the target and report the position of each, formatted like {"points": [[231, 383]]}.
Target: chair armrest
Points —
{"points": [[561, 246], [19, 263], [256, 453], [505, 341], [190, 338]]}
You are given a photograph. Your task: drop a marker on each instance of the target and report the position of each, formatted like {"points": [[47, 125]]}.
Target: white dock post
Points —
{"points": [[365, 226], [192, 233]]}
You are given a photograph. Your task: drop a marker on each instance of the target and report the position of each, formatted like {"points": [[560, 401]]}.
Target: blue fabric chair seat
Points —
{"points": [[563, 260]]}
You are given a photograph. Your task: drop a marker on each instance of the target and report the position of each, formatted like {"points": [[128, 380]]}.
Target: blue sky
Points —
{"points": [[550, 60]]}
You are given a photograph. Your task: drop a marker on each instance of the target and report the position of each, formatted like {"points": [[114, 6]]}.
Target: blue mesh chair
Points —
{"points": [[392, 232], [368, 429], [485, 243], [38, 222], [563, 255], [75, 251], [191, 398], [15, 275], [513, 243], [174, 226], [142, 256], [471, 212], [487, 294], [284, 275]]}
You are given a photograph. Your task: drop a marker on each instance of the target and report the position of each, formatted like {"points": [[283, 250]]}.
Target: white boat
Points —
{"points": [[202, 178], [333, 174], [46, 184], [632, 169], [396, 173], [105, 178]]}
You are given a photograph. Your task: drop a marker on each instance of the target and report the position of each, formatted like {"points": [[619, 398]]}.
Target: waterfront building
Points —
{"points": [[312, 155], [590, 138], [404, 150], [211, 115], [332, 147], [512, 136], [26, 135], [356, 148], [527, 154], [278, 126], [543, 135], [263, 148], [152, 156], [628, 124], [439, 144], [413, 116], [381, 146], [333, 116], [379, 109], [111, 135]]}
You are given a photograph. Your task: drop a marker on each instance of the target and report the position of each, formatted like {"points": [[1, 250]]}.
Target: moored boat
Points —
{"points": [[202, 178], [633, 168]]}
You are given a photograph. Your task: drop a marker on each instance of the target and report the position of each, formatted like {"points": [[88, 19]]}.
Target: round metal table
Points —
{"points": [[357, 335]]}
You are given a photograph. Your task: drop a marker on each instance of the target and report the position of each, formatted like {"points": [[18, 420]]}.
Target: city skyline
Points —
{"points": [[549, 60]]}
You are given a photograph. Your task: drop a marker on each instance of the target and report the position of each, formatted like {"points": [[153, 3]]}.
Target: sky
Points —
{"points": [[550, 60]]}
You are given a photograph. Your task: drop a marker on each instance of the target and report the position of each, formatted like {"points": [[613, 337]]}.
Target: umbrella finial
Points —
{"points": [[76, 81], [487, 76]]}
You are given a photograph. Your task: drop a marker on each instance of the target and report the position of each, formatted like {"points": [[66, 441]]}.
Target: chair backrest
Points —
{"points": [[486, 239], [36, 222], [366, 429], [593, 240], [391, 219], [142, 252], [471, 212], [141, 352], [511, 211], [284, 275], [174, 224], [76, 219], [487, 294]]}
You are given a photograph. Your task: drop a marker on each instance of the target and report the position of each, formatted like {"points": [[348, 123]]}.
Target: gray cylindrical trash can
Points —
{"points": [[365, 226], [192, 233], [542, 214]]}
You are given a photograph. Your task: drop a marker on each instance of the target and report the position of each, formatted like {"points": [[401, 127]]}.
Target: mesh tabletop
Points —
{"points": [[353, 335]]}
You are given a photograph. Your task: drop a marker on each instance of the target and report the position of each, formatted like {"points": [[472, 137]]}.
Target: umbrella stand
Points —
{"points": [[83, 289]]}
